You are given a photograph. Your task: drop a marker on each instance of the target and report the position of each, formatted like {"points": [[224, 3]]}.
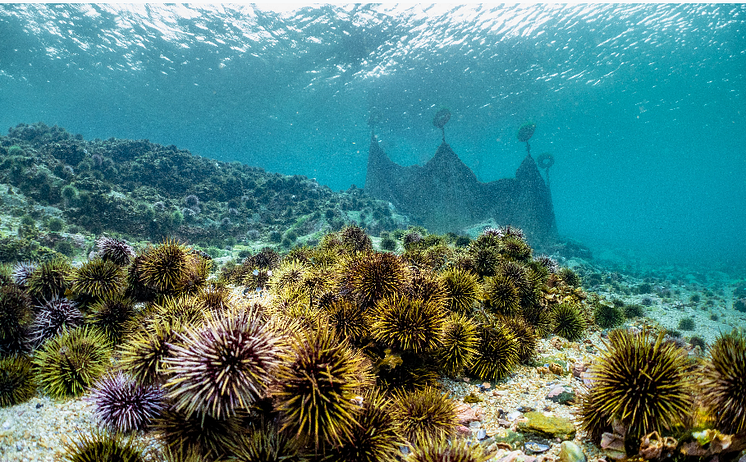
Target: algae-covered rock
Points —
{"points": [[548, 426], [506, 436]]}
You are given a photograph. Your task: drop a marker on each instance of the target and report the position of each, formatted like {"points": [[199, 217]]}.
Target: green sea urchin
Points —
{"points": [[99, 446], [501, 295], [112, 315], [144, 351], [50, 279], [15, 316], [462, 289], [460, 341], [568, 322], [607, 316], [459, 450], [424, 415], [164, 267], [724, 378], [376, 438], [375, 275], [348, 319], [264, 443], [408, 325], [17, 383], [68, 364], [640, 381], [497, 353], [316, 380], [204, 435], [98, 278]]}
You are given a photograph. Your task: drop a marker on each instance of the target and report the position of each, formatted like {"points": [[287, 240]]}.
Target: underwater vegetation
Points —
{"points": [[143, 190]]}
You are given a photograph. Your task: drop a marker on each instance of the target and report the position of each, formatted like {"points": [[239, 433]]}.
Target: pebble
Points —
{"points": [[514, 415], [562, 395], [535, 447], [481, 434], [571, 452]]}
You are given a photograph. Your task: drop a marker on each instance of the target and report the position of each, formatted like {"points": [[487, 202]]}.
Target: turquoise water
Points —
{"points": [[642, 106]]}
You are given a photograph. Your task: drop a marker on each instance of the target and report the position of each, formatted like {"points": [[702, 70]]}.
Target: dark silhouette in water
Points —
{"points": [[445, 195]]}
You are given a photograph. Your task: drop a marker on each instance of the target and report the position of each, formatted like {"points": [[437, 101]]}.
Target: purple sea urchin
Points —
{"points": [[22, 271], [221, 367], [53, 317], [123, 405], [115, 250]]}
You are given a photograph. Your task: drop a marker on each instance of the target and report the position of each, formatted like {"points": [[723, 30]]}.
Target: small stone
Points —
{"points": [[39, 405], [536, 447], [516, 456], [571, 452], [7, 424], [578, 369], [481, 434], [463, 430], [466, 414], [561, 395], [514, 415], [467, 379], [486, 385]]}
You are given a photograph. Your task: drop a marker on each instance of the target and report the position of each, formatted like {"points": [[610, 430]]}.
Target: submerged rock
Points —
{"points": [[547, 426]]}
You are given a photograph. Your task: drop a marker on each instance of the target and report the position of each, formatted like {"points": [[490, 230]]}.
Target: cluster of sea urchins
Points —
{"points": [[334, 352]]}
